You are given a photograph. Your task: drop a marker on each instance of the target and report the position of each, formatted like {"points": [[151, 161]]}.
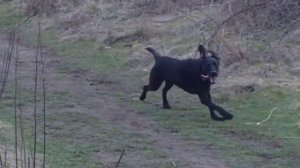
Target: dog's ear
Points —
{"points": [[202, 51]]}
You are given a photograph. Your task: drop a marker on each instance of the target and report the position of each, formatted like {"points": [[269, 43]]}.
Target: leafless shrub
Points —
{"points": [[158, 7], [259, 22], [37, 6], [265, 19]]}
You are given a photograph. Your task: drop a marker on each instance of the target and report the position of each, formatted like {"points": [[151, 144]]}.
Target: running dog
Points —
{"points": [[194, 76]]}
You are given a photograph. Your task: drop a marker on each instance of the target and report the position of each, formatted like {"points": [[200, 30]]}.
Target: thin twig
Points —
{"points": [[266, 119], [28, 162], [120, 158], [162, 45], [269, 116], [6, 64], [35, 92], [3, 69], [24, 20], [8, 54], [15, 103], [5, 157], [174, 164], [44, 104], [1, 161], [23, 145]]}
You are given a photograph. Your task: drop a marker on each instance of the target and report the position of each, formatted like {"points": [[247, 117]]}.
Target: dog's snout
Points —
{"points": [[214, 73]]}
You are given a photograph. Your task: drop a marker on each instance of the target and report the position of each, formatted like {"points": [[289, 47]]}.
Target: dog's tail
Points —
{"points": [[153, 52]]}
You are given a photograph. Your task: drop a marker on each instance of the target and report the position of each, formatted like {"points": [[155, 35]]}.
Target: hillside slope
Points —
{"points": [[258, 40]]}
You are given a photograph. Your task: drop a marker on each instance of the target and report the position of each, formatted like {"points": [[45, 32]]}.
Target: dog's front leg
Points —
{"points": [[205, 99], [221, 111], [224, 113]]}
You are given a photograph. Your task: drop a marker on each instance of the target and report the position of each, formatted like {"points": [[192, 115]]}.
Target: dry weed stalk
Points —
{"points": [[15, 102], [120, 158], [25, 160]]}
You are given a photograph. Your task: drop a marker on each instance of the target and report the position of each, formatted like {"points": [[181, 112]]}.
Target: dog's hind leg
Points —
{"points": [[154, 84], [168, 86], [205, 99]]}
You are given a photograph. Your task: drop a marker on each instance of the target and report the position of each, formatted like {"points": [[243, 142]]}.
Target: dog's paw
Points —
{"points": [[229, 117], [218, 118], [142, 97]]}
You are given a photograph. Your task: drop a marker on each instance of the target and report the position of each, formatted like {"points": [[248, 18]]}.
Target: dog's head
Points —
{"points": [[209, 64]]}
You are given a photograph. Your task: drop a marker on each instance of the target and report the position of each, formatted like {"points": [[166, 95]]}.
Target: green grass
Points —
{"points": [[8, 18], [240, 142], [85, 50], [75, 138], [95, 57]]}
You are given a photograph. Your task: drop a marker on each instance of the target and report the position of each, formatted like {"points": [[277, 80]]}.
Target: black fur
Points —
{"points": [[195, 76]]}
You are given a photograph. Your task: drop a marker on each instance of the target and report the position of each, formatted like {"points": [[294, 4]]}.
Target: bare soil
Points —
{"points": [[85, 84]]}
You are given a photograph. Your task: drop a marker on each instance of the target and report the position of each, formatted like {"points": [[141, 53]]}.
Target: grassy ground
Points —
{"points": [[240, 142], [75, 139]]}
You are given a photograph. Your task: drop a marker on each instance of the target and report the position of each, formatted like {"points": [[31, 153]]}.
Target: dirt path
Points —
{"points": [[80, 84]]}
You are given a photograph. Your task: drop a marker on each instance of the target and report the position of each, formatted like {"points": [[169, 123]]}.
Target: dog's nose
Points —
{"points": [[214, 74]]}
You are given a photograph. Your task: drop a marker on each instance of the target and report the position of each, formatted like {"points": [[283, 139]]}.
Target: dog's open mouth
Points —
{"points": [[210, 78]]}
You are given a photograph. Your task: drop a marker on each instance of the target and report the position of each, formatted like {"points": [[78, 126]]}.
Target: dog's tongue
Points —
{"points": [[207, 77], [212, 80]]}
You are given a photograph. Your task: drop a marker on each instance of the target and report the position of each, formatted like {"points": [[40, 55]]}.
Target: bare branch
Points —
{"points": [[232, 16]]}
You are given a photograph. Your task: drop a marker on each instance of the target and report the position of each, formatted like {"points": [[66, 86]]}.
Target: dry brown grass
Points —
{"points": [[256, 38]]}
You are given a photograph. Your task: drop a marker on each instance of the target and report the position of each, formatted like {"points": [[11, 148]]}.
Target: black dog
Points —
{"points": [[195, 76]]}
